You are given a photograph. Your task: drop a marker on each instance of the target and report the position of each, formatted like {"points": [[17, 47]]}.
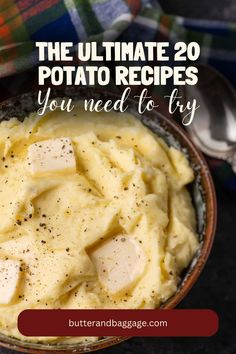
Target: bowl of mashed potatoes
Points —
{"points": [[98, 211]]}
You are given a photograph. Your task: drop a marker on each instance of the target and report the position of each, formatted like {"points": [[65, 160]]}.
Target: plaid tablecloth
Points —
{"points": [[22, 22]]}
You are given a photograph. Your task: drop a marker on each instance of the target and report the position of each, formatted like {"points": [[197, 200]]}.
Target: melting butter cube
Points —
{"points": [[120, 262], [9, 278], [51, 156]]}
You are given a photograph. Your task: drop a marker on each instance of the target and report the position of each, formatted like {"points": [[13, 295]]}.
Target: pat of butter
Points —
{"points": [[9, 278], [120, 262], [51, 156]]}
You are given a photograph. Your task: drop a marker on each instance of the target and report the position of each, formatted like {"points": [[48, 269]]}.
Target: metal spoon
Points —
{"points": [[213, 128]]}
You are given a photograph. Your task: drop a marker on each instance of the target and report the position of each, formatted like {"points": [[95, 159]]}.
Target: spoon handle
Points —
{"points": [[232, 161]]}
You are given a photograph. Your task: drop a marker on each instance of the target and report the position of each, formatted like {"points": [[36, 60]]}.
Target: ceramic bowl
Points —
{"points": [[202, 192]]}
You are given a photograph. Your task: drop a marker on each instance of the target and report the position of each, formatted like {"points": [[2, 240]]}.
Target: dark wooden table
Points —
{"points": [[216, 287]]}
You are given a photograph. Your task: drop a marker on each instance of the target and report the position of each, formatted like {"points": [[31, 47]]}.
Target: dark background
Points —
{"points": [[208, 9], [216, 287]]}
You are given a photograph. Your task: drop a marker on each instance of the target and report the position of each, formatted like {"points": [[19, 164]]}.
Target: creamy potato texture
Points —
{"points": [[121, 191]]}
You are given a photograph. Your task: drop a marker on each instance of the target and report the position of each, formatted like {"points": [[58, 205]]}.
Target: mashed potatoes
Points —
{"points": [[94, 214]]}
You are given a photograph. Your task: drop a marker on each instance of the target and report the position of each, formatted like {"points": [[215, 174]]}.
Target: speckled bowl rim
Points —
{"points": [[24, 104]]}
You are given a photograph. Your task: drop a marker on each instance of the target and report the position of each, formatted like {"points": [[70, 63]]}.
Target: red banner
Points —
{"points": [[145, 323]]}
